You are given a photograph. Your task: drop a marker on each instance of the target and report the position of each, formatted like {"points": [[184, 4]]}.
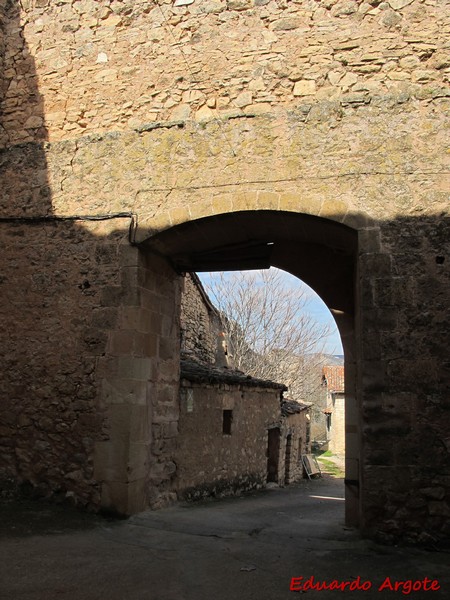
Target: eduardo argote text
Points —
{"points": [[406, 587]]}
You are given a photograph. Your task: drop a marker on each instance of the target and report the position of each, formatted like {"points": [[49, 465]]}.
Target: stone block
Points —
{"points": [[124, 391], [244, 201], [334, 209], [375, 265], [305, 87], [138, 461], [374, 375], [303, 203], [122, 343], [269, 200], [137, 496], [133, 367], [123, 498], [139, 424], [110, 461]]}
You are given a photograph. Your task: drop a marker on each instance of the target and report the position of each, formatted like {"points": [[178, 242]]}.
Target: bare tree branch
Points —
{"points": [[270, 331]]}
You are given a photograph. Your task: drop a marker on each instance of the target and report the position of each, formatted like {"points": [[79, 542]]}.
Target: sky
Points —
{"points": [[316, 308]]}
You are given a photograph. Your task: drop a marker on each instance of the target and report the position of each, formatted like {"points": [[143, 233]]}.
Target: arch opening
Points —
{"points": [[320, 252]]}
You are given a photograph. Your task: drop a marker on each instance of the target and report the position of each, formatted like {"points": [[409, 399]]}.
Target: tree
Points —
{"points": [[270, 332]]}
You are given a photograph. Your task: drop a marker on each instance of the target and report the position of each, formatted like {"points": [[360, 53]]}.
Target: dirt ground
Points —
{"points": [[240, 548]]}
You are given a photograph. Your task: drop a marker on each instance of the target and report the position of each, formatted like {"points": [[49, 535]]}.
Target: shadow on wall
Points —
{"points": [[75, 308], [58, 282], [23, 169]]}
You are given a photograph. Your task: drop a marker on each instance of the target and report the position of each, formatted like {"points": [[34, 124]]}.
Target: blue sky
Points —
{"points": [[316, 308]]}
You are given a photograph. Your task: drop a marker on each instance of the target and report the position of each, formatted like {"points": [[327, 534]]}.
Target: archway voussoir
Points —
{"points": [[201, 209], [268, 200], [222, 204], [295, 202], [245, 201], [179, 215], [358, 220], [150, 226], [334, 210]]}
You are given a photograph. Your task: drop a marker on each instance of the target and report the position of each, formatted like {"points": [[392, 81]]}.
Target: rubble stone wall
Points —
{"points": [[57, 283], [115, 65], [199, 333], [210, 462], [331, 109], [291, 467]]}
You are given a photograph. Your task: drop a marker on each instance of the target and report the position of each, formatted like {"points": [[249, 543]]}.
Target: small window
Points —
{"points": [[226, 423], [190, 400]]}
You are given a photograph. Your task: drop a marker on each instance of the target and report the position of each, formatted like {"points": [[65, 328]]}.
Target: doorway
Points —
{"points": [[273, 453], [287, 459]]}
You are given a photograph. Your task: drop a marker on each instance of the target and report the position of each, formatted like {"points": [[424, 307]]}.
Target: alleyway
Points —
{"points": [[242, 548]]}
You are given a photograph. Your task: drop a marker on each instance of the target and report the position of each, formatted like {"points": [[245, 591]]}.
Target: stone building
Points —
{"points": [[334, 387], [141, 140], [295, 438], [202, 334], [222, 441], [235, 432]]}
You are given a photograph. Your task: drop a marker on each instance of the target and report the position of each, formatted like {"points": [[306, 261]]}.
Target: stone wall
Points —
{"points": [[57, 284], [115, 65], [294, 443], [405, 402], [336, 434], [327, 110], [90, 361], [210, 462], [199, 323], [140, 376]]}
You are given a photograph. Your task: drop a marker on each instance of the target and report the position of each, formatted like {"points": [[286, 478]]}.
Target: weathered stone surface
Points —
{"points": [[398, 4], [127, 55], [304, 88], [215, 463], [81, 137]]}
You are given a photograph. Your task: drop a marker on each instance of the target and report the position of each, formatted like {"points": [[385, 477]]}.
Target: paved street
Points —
{"points": [[245, 548]]}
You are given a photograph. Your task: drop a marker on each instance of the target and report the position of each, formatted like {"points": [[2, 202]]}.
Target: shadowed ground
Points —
{"points": [[248, 547]]}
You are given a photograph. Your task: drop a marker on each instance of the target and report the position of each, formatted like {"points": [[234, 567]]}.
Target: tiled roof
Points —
{"points": [[333, 377], [204, 373], [291, 407]]}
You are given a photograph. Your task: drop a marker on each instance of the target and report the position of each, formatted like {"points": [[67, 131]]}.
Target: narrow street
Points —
{"points": [[245, 548]]}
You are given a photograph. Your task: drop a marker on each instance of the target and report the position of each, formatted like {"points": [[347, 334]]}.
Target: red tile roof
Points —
{"points": [[333, 377]]}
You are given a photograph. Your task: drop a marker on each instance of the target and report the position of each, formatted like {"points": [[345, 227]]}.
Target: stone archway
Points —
{"points": [[320, 251]]}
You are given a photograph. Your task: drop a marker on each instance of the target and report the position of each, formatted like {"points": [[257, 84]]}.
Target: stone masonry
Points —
{"points": [[211, 462], [137, 138], [200, 324]]}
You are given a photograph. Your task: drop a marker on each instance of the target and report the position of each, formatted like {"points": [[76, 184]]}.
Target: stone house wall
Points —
{"points": [[200, 324], [336, 442], [318, 420], [210, 462], [293, 444], [333, 385]]}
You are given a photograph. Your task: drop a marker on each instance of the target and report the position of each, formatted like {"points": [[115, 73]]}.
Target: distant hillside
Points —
{"points": [[330, 359], [334, 359]]}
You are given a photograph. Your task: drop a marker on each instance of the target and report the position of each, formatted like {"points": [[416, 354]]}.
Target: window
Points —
{"points": [[226, 423], [190, 400]]}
